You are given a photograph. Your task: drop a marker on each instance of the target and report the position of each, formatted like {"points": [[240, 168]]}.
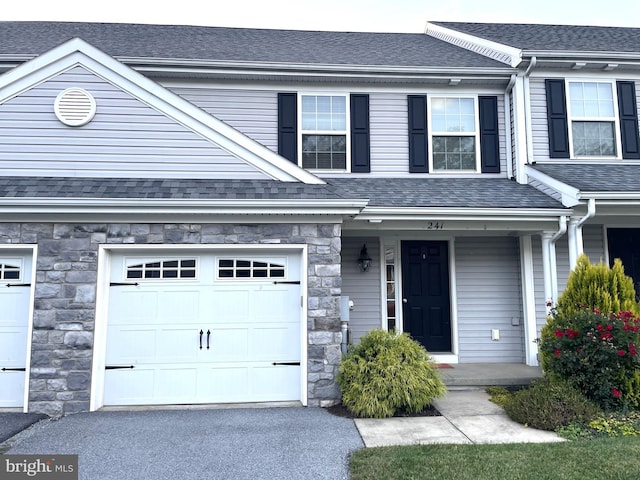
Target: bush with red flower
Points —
{"points": [[598, 353]]}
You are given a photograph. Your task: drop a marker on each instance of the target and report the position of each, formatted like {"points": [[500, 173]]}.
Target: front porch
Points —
{"points": [[463, 375]]}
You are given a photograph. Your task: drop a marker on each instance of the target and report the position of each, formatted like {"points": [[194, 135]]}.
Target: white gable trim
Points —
{"points": [[498, 51], [78, 52]]}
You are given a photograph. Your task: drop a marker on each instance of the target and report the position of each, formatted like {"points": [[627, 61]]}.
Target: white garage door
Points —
{"points": [[15, 289], [203, 328]]}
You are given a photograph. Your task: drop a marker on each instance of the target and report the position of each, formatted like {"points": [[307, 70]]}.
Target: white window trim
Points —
{"points": [[615, 119], [347, 131], [430, 134]]}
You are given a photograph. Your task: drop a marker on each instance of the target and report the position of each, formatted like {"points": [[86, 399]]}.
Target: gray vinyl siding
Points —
{"points": [[489, 297], [390, 139], [363, 288], [593, 240], [539, 129], [252, 112], [126, 138]]}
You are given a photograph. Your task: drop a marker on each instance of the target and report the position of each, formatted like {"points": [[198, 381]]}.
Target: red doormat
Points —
{"points": [[443, 365]]}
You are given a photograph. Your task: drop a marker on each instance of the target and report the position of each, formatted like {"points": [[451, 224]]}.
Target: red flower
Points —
{"points": [[557, 352], [609, 327], [596, 311], [579, 350], [615, 392], [632, 349], [621, 353], [572, 333], [559, 333]]}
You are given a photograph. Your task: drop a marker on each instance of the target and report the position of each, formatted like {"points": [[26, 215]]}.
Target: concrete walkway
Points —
{"points": [[467, 417]]}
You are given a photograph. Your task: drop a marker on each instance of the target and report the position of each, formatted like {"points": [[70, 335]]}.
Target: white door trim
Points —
{"points": [[102, 302], [34, 258]]}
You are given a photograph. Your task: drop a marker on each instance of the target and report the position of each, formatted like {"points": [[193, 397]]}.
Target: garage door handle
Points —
{"points": [[208, 334], [117, 367], [18, 285], [5, 369], [201, 333], [286, 363]]}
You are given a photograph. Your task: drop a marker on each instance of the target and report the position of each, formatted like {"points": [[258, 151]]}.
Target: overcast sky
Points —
{"points": [[343, 15]]}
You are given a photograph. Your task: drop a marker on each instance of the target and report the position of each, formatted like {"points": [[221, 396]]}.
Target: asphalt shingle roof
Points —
{"points": [[243, 45], [445, 192], [575, 38], [386, 192], [596, 177], [133, 188]]}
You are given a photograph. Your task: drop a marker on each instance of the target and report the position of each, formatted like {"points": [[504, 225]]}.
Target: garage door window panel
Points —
{"points": [[230, 268], [10, 271], [163, 269]]}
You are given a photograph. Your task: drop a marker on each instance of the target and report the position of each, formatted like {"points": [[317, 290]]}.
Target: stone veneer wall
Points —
{"points": [[65, 298]]}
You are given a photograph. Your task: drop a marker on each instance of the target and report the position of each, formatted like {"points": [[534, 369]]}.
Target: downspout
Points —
{"points": [[507, 122], [576, 243], [552, 254], [527, 109]]}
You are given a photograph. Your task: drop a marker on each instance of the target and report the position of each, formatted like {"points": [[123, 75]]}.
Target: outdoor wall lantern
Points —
{"points": [[364, 260]]}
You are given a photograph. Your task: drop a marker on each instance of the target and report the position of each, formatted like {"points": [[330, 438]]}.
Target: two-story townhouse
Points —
{"points": [[578, 141], [182, 210]]}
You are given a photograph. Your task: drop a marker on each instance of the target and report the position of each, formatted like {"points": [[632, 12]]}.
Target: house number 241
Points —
{"points": [[435, 226]]}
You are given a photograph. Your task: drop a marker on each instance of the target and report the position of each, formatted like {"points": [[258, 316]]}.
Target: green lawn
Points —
{"points": [[602, 459]]}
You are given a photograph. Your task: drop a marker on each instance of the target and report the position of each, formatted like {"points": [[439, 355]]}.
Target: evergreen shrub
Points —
{"points": [[386, 373]]}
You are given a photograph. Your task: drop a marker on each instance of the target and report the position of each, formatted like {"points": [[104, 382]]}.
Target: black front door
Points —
{"points": [[425, 294], [624, 243]]}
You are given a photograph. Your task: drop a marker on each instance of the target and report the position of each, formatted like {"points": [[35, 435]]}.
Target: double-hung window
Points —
{"points": [[593, 119], [454, 134], [324, 126]]}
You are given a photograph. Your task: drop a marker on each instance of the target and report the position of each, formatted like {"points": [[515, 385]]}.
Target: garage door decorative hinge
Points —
{"points": [[121, 284], [117, 367], [287, 363], [18, 285], [292, 282], [17, 369]]}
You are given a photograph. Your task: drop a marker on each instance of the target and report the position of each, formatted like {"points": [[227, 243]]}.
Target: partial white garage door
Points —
{"points": [[15, 289], [203, 328]]}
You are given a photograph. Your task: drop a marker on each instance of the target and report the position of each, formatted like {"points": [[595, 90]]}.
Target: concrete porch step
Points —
{"points": [[487, 374]]}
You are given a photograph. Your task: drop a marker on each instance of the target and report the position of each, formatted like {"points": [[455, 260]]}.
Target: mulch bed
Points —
{"points": [[340, 410]]}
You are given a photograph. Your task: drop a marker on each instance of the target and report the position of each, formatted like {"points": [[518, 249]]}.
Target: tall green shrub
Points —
{"points": [[385, 373], [597, 287], [592, 335]]}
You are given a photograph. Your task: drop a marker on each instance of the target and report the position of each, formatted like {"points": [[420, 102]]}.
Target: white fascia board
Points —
{"points": [[187, 206], [570, 195], [569, 54], [480, 214], [78, 52], [160, 65], [616, 197], [498, 51]]}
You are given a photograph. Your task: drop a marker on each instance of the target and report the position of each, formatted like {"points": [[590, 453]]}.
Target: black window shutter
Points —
{"points": [[628, 113], [489, 138], [288, 126], [557, 119], [418, 159], [360, 144]]}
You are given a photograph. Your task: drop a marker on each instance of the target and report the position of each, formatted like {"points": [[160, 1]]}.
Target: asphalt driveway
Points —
{"points": [[253, 444]]}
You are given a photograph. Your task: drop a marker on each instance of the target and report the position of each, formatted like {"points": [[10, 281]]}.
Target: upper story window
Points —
{"points": [[454, 134], [324, 124], [592, 116], [592, 119]]}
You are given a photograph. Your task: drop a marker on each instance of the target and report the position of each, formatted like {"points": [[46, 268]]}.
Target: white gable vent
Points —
{"points": [[75, 107]]}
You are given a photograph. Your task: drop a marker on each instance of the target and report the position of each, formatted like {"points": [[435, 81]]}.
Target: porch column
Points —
{"points": [[548, 269], [528, 301]]}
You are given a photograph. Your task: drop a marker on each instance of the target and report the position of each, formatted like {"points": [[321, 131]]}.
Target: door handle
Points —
{"points": [[201, 332], [404, 300], [208, 334]]}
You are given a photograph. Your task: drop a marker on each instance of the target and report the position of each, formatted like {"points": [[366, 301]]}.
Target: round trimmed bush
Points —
{"points": [[386, 373], [549, 404]]}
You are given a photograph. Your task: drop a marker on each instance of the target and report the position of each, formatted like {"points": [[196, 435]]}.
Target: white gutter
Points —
{"points": [[576, 243], [459, 212]]}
